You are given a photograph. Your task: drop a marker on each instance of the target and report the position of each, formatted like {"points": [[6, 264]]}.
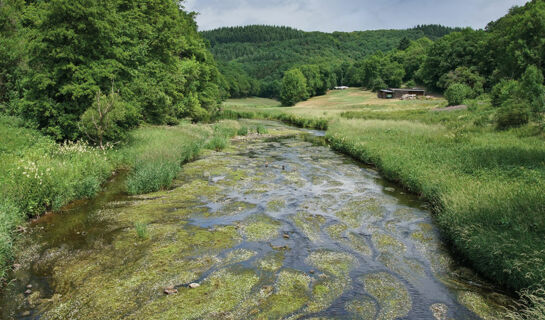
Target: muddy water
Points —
{"points": [[269, 229]]}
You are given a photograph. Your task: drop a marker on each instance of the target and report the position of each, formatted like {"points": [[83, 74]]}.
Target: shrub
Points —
{"points": [[260, 129], [457, 93], [141, 230], [151, 176], [503, 91], [217, 143], [513, 113], [243, 131]]}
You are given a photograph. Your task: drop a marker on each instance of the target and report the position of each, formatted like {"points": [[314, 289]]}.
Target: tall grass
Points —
{"points": [[155, 155], [39, 175], [486, 187]]}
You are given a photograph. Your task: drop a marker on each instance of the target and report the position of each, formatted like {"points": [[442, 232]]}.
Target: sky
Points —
{"points": [[348, 15]]}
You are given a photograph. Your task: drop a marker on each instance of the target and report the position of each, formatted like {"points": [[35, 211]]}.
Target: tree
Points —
{"points": [[459, 49], [464, 75], [108, 119], [294, 87], [77, 47], [517, 40], [457, 93], [404, 44], [533, 89]]}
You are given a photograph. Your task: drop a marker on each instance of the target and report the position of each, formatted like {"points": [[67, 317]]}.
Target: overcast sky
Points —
{"points": [[348, 15]]}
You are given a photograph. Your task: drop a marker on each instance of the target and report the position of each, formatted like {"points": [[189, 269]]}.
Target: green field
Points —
{"points": [[485, 186]]}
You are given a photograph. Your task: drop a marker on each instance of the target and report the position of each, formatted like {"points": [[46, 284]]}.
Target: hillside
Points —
{"points": [[263, 53]]}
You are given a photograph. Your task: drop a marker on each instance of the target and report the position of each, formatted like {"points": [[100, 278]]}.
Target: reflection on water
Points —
{"points": [[272, 229]]}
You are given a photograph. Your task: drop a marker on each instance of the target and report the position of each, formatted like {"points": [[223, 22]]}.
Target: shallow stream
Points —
{"points": [[269, 229]]}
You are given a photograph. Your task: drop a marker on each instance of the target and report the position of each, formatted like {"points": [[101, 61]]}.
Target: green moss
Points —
{"points": [[325, 292], [358, 243], [356, 212], [478, 305], [336, 231], [276, 205], [309, 224], [391, 295], [291, 294], [271, 262], [215, 298], [384, 242], [260, 228], [338, 264], [364, 308]]}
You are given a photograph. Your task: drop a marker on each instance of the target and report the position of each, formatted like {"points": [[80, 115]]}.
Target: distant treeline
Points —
{"points": [[253, 59], [506, 59]]}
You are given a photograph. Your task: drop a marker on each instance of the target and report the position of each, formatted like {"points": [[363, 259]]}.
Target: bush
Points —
{"points": [[260, 129], [217, 143], [457, 93], [243, 131], [503, 91], [513, 113]]}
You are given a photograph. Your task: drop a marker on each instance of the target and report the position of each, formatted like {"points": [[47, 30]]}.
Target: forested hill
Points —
{"points": [[264, 53]]}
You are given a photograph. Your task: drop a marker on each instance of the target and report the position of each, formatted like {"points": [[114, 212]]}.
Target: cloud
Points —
{"points": [[349, 15]]}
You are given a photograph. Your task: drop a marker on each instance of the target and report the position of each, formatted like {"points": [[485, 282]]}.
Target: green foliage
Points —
{"points": [[243, 131], [503, 91], [108, 119], [217, 143], [260, 129], [141, 230], [266, 52], [155, 155], [533, 89], [486, 188], [464, 75], [516, 40], [294, 87], [75, 48], [466, 48], [404, 44], [457, 93], [378, 72], [512, 113]]}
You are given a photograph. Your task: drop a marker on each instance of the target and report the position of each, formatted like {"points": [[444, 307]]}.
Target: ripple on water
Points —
{"points": [[270, 230]]}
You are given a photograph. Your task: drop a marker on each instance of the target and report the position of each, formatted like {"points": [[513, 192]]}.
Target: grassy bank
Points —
{"points": [[39, 175], [485, 186]]}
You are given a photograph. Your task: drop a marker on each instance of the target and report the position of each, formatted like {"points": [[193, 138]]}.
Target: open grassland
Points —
{"points": [[38, 175], [485, 186]]}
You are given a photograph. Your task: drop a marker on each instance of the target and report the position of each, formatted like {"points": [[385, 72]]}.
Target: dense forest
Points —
{"points": [[253, 59], [94, 69]]}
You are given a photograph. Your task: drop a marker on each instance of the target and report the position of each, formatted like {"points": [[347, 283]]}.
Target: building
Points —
{"points": [[341, 88], [399, 93]]}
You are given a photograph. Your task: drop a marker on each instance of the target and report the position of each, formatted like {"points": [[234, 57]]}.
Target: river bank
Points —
{"points": [[279, 228]]}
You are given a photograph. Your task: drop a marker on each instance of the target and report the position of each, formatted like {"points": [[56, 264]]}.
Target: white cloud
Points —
{"points": [[349, 15]]}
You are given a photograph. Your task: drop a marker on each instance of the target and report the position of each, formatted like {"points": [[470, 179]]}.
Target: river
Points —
{"points": [[268, 229]]}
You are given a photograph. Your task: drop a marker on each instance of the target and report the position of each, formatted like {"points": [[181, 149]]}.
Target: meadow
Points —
{"points": [[484, 186]]}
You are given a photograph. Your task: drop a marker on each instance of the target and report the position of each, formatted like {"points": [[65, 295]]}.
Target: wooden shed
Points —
{"points": [[398, 93], [385, 94]]}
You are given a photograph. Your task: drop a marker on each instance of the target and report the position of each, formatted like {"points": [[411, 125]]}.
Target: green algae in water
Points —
{"points": [[338, 264], [392, 296], [478, 305], [276, 205], [326, 291], [217, 296], [309, 224], [364, 308], [260, 228], [291, 294], [272, 262]]}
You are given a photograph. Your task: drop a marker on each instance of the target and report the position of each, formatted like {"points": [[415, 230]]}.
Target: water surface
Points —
{"points": [[269, 229]]}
